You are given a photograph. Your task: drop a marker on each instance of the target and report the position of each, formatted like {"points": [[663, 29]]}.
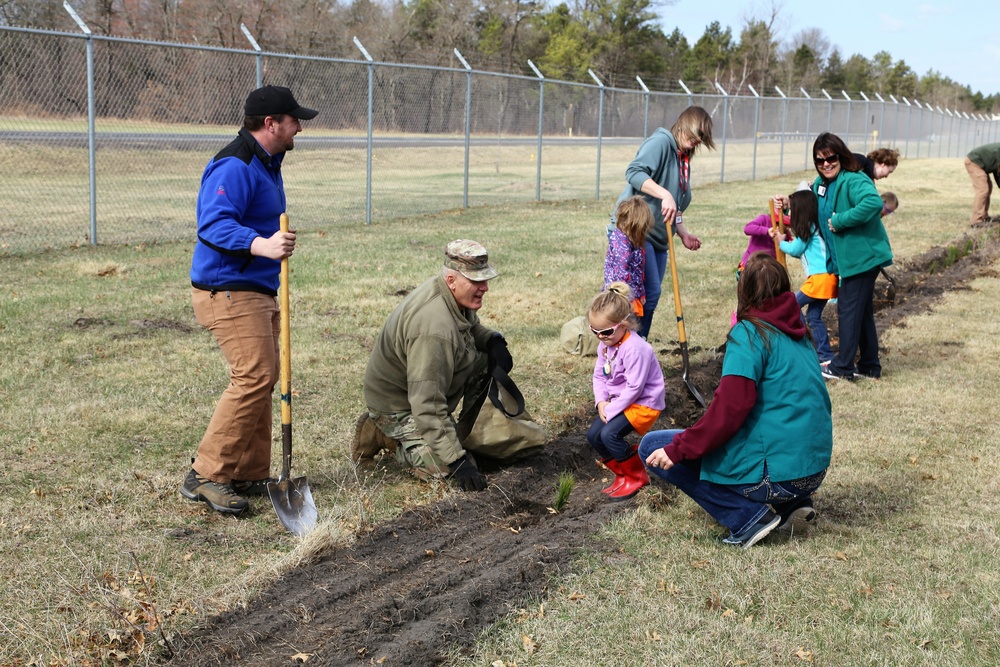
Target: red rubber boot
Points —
{"points": [[635, 478], [616, 468]]}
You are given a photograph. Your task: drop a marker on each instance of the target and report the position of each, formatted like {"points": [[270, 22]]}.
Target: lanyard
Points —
{"points": [[685, 168]]}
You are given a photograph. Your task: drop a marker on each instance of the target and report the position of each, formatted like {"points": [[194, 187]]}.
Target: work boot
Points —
{"points": [[257, 487], [635, 478], [220, 497], [614, 467], [369, 440]]}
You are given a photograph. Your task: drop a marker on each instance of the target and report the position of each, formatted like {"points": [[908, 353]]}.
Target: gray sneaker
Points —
{"points": [[796, 514], [220, 497], [754, 533]]}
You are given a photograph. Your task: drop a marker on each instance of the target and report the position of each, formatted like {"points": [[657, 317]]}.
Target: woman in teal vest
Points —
{"points": [[762, 448]]}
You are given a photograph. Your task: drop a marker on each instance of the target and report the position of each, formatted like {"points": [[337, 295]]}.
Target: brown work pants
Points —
{"points": [[237, 442], [981, 189]]}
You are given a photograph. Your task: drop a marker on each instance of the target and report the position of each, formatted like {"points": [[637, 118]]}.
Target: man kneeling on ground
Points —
{"points": [[432, 353]]}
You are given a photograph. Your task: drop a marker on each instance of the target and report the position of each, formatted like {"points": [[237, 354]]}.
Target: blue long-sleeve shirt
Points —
{"points": [[241, 198]]}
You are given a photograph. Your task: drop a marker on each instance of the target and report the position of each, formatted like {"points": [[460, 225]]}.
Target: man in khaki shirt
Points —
{"points": [[432, 352]]}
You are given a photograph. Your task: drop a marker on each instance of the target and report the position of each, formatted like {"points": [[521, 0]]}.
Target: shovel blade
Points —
{"points": [[293, 503], [695, 394]]}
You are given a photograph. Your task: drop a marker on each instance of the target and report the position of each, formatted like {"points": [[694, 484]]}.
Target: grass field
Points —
{"points": [[108, 383]]}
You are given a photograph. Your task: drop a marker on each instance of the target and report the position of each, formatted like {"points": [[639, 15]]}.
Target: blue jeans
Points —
{"points": [[608, 440], [814, 320], [856, 314], [735, 506], [656, 269]]}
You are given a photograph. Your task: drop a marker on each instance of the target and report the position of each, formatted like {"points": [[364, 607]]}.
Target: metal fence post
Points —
{"points": [[809, 106], [370, 147], [866, 119], [91, 114], [468, 125], [895, 137], [260, 56], [645, 115], [756, 131], [784, 115], [847, 132], [725, 119], [941, 131], [951, 127], [600, 129], [829, 113], [920, 126], [541, 116], [688, 91], [881, 118]]}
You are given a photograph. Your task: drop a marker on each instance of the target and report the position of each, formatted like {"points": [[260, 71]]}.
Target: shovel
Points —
{"points": [[695, 394], [292, 499], [779, 224], [890, 289]]}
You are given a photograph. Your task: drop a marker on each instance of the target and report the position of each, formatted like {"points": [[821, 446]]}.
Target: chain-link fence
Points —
{"points": [[106, 138]]}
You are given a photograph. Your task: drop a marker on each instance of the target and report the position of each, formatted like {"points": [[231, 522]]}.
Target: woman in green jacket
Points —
{"points": [[850, 217]]}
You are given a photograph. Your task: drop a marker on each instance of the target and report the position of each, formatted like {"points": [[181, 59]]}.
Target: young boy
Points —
{"points": [[890, 202]]}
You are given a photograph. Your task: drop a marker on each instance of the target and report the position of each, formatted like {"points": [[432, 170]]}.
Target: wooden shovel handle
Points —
{"points": [[286, 363], [777, 223]]}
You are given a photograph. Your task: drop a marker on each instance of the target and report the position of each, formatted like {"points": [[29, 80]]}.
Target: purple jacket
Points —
{"points": [[636, 376], [757, 229], [626, 263]]}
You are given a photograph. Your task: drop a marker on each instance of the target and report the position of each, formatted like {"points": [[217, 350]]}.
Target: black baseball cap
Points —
{"points": [[273, 101]]}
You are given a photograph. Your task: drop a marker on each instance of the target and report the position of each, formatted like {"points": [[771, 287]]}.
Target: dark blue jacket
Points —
{"points": [[241, 197]]}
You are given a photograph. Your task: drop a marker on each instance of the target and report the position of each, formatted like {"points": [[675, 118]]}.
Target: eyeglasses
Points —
{"points": [[831, 159], [604, 333]]}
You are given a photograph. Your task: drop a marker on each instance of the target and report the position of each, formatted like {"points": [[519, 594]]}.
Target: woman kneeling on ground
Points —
{"points": [[762, 448]]}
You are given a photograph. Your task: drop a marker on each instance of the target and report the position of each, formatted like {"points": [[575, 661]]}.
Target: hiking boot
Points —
{"points": [[369, 440], [754, 533], [220, 497], [257, 487]]}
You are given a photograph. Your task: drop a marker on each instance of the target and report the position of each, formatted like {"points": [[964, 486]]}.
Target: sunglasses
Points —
{"points": [[832, 159], [604, 333]]}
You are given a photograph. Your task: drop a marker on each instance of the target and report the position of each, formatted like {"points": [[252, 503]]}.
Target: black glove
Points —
{"points": [[499, 355], [467, 475]]}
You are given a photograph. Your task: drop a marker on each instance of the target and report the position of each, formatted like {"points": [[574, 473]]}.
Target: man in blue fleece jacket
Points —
{"points": [[234, 279]]}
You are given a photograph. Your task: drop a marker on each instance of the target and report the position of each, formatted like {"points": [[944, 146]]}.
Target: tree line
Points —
{"points": [[617, 39]]}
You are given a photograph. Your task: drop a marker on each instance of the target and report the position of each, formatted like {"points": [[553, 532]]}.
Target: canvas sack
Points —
{"points": [[576, 337], [500, 428]]}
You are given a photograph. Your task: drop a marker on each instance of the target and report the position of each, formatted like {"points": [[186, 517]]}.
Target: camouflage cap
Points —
{"points": [[470, 259]]}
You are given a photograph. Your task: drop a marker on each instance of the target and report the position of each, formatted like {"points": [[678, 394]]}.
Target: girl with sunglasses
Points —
{"points": [[850, 216], [628, 389]]}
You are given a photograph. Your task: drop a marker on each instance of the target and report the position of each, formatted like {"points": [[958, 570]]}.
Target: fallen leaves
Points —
{"points": [[301, 657], [802, 654], [530, 645]]}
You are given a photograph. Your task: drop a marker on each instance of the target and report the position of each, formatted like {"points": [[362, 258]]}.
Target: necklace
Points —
{"points": [[609, 358]]}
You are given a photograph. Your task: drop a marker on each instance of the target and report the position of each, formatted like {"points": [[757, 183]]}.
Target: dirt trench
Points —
{"points": [[410, 590]]}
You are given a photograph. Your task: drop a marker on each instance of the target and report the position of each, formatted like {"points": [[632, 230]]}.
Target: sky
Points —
{"points": [[958, 38]]}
